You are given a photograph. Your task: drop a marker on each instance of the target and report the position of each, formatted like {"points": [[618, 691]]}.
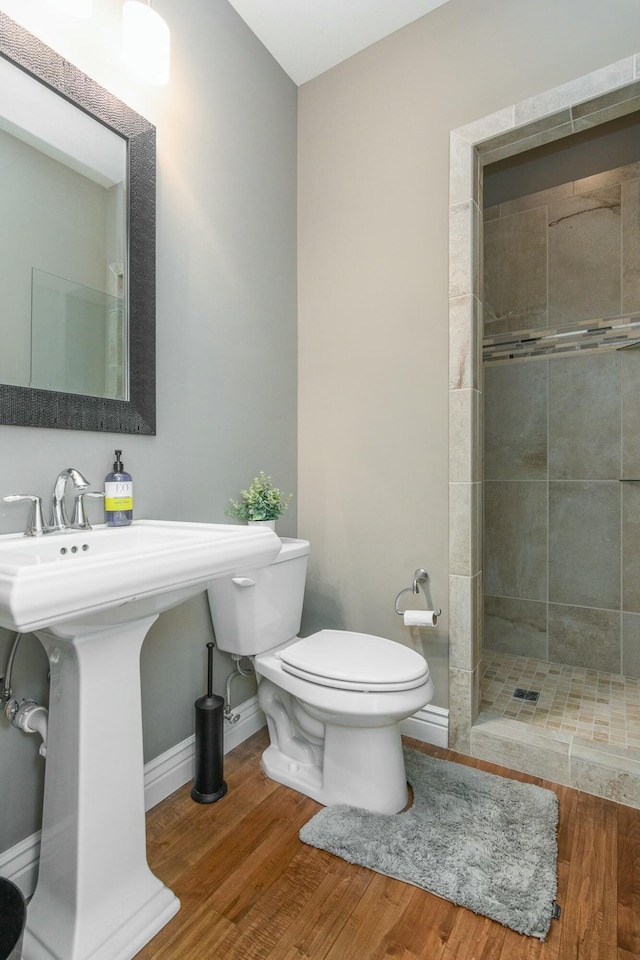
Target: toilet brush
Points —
{"points": [[209, 784]]}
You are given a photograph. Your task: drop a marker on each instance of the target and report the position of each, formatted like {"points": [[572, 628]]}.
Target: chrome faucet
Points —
{"points": [[59, 520], [36, 526]]}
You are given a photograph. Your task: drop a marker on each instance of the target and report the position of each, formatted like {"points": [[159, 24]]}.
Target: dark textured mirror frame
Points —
{"points": [[28, 407]]}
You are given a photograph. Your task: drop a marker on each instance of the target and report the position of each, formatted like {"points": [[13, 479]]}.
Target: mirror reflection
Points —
{"points": [[63, 222], [77, 247]]}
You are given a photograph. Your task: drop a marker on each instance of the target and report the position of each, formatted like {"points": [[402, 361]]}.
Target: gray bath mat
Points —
{"points": [[483, 842]]}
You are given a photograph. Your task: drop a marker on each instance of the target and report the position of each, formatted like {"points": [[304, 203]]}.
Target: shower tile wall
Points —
{"points": [[564, 254], [562, 533]]}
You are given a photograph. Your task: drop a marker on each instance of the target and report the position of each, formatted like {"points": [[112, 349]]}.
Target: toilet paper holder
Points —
{"points": [[420, 577]]}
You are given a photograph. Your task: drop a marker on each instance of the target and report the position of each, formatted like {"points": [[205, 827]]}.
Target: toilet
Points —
{"points": [[333, 700]]}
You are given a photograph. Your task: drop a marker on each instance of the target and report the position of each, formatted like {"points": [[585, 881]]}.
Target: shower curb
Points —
{"points": [[607, 772]]}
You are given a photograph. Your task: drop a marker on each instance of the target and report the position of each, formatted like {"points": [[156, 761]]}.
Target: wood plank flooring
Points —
{"points": [[251, 890]]}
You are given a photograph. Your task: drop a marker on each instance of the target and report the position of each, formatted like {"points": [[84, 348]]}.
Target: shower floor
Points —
{"points": [[600, 707]]}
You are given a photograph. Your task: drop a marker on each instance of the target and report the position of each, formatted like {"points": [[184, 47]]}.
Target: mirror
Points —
{"points": [[77, 263]]}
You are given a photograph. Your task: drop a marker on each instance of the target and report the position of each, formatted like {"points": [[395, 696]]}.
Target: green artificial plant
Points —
{"points": [[262, 501]]}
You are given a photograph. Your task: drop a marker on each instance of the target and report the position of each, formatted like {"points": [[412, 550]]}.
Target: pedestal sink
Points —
{"points": [[91, 597]]}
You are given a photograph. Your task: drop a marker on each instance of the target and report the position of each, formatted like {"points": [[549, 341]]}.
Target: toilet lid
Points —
{"points": [[354, 661]]}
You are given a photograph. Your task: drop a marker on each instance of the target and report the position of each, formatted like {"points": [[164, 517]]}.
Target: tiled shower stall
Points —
{"points": [[562, 424], [544, 426]]}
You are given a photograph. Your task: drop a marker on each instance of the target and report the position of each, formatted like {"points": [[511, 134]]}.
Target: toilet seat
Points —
{"points": [[354, 661]]}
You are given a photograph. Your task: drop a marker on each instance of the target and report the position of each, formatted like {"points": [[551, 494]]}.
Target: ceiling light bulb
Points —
{"points": [[145, 42]]}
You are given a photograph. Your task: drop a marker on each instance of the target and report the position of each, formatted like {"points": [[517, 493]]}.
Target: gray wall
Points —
{"points": [[226, 330]]}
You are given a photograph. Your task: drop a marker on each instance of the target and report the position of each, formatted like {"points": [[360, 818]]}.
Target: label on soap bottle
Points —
{"points": [[118, 495]]}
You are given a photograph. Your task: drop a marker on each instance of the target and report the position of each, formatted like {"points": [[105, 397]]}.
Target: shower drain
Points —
{"points": [[520, 694]]}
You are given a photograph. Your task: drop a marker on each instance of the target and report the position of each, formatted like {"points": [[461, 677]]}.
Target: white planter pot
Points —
{"points": [[270, 524]]}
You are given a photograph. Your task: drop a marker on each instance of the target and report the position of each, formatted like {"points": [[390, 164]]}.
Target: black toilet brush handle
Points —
{"points": [[210, 647]]}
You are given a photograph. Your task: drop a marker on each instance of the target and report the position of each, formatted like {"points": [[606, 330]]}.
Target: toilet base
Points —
{"points": [[361, 766]]}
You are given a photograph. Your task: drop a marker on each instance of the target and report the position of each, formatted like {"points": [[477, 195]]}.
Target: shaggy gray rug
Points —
{"points": [[478, 840]]}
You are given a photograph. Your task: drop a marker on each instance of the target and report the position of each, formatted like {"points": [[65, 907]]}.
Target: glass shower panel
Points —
{"points": [[78, 338]]}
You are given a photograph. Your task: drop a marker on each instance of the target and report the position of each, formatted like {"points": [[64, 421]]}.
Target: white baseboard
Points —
{"points": [[429, 725], [162, 777], [20, 863], [172, 769]]}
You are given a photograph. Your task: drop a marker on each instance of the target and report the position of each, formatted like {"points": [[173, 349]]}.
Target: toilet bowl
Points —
{"points": [[333, 700]]}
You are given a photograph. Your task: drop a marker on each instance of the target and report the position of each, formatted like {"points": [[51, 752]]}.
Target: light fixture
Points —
{"points": [[145, 41], [76, 8]]}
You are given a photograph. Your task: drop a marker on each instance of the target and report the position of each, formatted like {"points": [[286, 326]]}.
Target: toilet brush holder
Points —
{"points": [[209, 784]]}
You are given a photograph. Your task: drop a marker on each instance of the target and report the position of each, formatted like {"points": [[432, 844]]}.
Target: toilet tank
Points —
{"points": [[256, 610]]}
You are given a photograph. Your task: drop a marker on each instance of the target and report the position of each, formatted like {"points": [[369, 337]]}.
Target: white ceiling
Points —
{"points": [[307, 37]]}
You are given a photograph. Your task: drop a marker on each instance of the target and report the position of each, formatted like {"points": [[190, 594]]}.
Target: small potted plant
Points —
{"points": [[261, 503]]}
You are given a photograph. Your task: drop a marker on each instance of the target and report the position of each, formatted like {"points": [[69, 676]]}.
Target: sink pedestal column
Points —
{"points": [[96, 898]]}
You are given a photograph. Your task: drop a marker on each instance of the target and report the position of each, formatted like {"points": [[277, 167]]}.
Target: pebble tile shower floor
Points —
{"points": [[601, 707]]}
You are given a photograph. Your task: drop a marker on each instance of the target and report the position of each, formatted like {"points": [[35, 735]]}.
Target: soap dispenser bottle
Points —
{"points": [[118, 495]]}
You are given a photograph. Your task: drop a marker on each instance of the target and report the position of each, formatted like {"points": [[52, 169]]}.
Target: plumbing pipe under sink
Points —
{"points": [[27, 716], [31, 717]]}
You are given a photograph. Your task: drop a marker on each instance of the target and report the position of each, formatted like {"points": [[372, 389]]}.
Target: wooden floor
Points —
{"points": [[251, 890]]}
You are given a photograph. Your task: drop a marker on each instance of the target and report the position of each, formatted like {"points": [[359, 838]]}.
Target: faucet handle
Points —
{"points": [[80, 521], [36, 525]]}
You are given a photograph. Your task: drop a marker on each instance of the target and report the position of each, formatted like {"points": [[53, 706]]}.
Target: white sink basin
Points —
{"points": [[91, 597], [115, 574]]}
